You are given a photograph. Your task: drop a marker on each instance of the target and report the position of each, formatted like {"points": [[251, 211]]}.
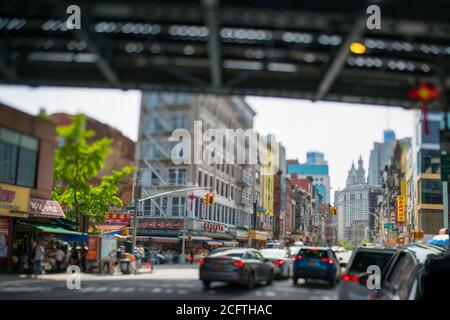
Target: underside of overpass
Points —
{"points": [[296, 49]]}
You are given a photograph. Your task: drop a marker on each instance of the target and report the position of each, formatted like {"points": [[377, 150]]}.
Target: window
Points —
{"points": [[431, 191], [352, 197], [179, 120], [18, 158], [199, 178], [175, 206], [429, 161], [431, 220], [205, 180], [177, 176]]}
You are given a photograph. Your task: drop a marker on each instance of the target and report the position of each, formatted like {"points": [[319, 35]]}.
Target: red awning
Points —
{"points": [[109, 227], [45, 209]]}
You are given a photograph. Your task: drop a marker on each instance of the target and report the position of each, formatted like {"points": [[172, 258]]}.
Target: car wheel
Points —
{"points": [[295, 280], [206, 284], [250, 281]]}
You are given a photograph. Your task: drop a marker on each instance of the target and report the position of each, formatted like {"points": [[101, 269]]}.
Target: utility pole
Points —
{"points": [[137, 186]]}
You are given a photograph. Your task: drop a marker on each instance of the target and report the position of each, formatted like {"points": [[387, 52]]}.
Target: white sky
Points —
{"points": [[342, 131]]}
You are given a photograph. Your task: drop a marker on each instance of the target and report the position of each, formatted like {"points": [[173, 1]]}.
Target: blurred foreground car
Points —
{"points": [[281, 259], [416, 272], [241, 266], [316, 263], [353, 285]]}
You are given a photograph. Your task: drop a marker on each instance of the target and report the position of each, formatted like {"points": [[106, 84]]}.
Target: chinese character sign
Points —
{"points": [[400, 209]]}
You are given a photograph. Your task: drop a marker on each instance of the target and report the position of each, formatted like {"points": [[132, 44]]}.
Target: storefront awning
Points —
{"points": [[55, 229], [230, 243], [198, 238], [165, 239], [214, 243]]}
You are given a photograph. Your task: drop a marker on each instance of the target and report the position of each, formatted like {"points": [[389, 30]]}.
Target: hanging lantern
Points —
{"points": [[424, 93]]}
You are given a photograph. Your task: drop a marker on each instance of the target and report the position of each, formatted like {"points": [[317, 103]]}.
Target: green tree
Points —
{"points": [[77, 163], [346, 245]]}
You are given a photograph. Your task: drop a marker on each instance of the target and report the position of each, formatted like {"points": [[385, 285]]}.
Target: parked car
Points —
{"points": [[416, 272], [274, 245], [316, 263], [217, 250], [353, 284], [282, 261], [242, 266]]}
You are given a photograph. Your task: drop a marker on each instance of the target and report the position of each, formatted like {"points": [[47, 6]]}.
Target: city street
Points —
{"points": [[168, 282]]}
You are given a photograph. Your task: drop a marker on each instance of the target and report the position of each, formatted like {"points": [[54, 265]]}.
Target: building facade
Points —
{"points": [[233, 184], [315, 167]]}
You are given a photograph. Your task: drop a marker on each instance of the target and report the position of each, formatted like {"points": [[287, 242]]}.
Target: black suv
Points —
{"points": [[416, 272]]}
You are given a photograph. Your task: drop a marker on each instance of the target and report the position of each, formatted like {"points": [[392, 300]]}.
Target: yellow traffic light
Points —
{"points": [[211, 198], [206, 198], [357, 48]]}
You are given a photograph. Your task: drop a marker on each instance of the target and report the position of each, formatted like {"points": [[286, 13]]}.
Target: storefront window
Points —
{"points": [[431, 221], [18, 158], [429, 161]]}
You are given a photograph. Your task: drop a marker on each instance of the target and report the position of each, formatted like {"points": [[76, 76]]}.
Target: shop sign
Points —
{"points": [[14, 201], [400, 209], [215, 227], [161, 224], [257, 235], [4, 237], [45, 208], [243, 234], [117, 218], [157, 232]]}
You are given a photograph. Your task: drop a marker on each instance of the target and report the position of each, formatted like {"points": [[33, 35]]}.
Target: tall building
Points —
{"points": [[429, 196], [233, 184], [379, 157], [315, 167], [354, 205]]}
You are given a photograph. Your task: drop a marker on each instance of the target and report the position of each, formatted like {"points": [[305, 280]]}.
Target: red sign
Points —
{"points": [[7, 195], [209, 226], [92, 248], [117, 218]]}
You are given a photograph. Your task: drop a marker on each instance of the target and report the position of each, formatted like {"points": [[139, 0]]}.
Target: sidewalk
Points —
{"points": [[163, 271]]}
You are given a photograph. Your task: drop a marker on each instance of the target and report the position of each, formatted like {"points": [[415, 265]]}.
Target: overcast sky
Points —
{"points": [[342, 131]]}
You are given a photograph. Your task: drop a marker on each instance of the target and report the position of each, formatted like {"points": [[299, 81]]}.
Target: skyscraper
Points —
{"points": [[316, 167], [379, 157]]}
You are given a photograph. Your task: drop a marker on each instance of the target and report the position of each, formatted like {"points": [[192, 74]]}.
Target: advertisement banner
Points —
{"points": [[400, 209], [108, 247], [14, 201], [92, 248]]}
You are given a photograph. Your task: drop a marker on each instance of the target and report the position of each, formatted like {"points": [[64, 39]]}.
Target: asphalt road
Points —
{"points": [[168, 282]]}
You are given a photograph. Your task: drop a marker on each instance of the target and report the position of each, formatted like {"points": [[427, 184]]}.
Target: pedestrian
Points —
{"points": [[59, 257], [152, 260], [38, 256], [84, 252], [192, 256]]}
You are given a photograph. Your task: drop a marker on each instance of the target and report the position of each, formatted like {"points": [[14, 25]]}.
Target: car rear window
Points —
{"points": [[228, 254], [273, 254], [364, 259], [313, 253]]}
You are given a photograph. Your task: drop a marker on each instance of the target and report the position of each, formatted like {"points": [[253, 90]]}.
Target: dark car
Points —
{"points": [[416, 272], [241, 266], [316, 263], [353, 284]]}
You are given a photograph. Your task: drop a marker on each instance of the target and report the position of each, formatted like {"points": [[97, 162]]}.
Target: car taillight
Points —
{"points": [[347, 277], [297, 258], [279, 262], [202, 262], [239, 264], [327, 260]]}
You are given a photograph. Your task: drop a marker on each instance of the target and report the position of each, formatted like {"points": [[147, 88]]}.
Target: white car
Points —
{"points": [[281, 260]]}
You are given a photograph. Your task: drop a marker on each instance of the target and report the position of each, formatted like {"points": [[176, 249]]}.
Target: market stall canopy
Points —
{"points": [[55, 229], [45, 209], [199, 238]]}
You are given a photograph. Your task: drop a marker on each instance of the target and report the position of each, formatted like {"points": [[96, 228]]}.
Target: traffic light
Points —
{"points": [[206, 198], [333, 211], [211, 198]]}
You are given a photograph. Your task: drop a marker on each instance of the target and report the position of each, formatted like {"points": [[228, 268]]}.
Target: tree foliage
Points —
{"points": [[77, 163]]}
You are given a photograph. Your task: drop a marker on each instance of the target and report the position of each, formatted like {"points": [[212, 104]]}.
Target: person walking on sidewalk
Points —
{"points": [[38, 256]]}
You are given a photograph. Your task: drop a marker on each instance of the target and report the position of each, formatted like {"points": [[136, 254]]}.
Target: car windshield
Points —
{"points": [[273, 254], [313, 253], [364, 259]]}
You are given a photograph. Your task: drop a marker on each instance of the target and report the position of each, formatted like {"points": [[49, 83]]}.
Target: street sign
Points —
{"points": [[389, 226], [445, 167]]}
